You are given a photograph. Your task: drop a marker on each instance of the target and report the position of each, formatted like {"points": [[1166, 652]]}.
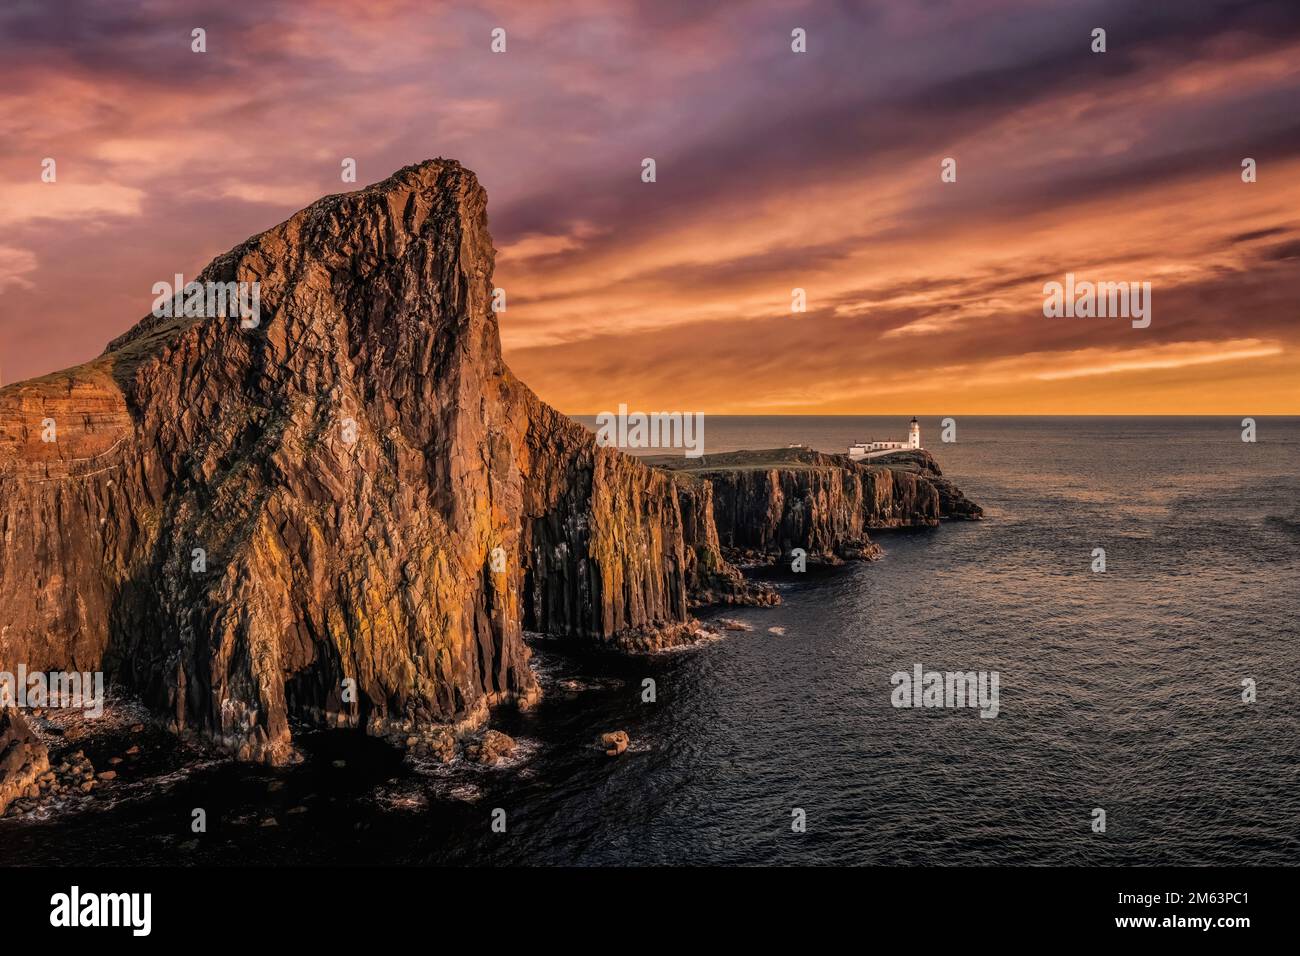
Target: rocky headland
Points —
{"points": [[350, 514], [766, 504]]}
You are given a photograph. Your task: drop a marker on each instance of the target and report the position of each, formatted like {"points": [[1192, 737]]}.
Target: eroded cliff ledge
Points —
{"points": [[233, 523], [767, 503]]}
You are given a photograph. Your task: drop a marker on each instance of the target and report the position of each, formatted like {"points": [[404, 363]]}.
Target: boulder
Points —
{"points": [[615, 742], [439, 743], [491, 748], [23, 758]]}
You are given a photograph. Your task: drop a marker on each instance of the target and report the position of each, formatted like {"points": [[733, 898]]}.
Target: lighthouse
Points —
{"points": [[870, 449]]}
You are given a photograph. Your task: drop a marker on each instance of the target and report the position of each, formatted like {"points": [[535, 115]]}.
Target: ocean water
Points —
{"points": [[1120, 691]]}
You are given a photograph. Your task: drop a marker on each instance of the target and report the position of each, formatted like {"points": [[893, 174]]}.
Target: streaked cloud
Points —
{"points": [[82, 203], [1172, 356], [15, 264]]}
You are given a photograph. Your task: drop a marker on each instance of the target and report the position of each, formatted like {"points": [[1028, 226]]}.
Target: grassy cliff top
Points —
{"points": [[787, 458]]}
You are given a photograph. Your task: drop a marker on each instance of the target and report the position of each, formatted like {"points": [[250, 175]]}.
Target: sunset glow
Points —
{"points": [[775, 172]]}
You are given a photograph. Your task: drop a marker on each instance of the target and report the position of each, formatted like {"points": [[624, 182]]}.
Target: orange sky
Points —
{"points": [[776, 170]]}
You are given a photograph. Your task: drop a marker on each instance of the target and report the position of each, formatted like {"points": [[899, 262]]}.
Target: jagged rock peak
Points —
{"points": [[347, 512]]}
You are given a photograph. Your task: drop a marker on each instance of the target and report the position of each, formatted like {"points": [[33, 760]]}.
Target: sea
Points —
{"points": [[1148, 713]]}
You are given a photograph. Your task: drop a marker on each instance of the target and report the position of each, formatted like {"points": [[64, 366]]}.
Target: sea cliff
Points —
{"points": [[349, 513], [768, 503]]}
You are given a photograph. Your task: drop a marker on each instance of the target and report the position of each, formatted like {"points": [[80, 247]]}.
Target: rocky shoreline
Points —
{"points": [[75, 755], [349, 515], [33, 777]]}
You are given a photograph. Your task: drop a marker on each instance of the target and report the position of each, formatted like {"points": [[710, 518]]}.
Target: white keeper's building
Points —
{"points": [[869, 449]]}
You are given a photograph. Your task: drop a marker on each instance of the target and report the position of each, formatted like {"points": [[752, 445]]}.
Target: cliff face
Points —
{"points": [[953, 504], [604, 545], [766, 503], [237, 522], [350, 512], [711, 578]]}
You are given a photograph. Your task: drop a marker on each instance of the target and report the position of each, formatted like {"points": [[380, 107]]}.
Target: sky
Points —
{"points": [[774, 170]]}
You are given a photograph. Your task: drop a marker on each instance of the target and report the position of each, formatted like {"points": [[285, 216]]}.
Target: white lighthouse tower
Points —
{"points": [[914, 434]]}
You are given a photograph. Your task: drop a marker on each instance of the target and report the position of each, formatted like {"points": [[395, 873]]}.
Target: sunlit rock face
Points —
{"points": [[237, 522]]}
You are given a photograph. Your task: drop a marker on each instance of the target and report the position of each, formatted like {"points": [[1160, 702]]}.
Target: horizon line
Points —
{"points": [[1295, 414]]}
